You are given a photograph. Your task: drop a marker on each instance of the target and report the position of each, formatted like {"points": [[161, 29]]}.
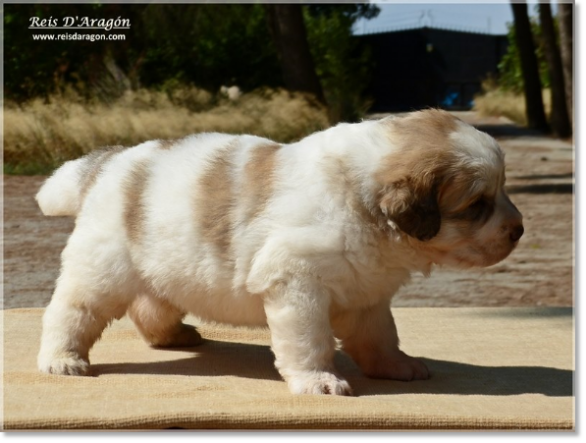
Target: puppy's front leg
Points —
{"points": [[370, 337], [302, 339]]}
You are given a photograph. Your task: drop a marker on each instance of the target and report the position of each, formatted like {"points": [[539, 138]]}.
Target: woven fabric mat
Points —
{"points": [[492, 368]]}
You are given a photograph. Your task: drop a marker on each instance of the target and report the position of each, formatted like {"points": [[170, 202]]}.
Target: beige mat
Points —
{"points": [[501, 368]]}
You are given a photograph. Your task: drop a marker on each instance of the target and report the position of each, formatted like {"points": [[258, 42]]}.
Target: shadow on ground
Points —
{"points": [[454, 378], [216, 358]]}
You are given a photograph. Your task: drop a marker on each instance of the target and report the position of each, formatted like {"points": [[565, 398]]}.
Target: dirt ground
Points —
{"points": [[540, 177]]}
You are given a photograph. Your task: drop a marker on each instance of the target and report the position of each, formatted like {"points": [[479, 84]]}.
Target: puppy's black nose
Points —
{"points": [[516, 233]]}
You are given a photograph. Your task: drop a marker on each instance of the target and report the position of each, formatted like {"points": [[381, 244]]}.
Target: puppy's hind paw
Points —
{"points": [[319, 383], [67, 365], [398, 367], [186, 336]]}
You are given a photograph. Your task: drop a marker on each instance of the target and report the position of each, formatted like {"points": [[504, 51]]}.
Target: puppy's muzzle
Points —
{"points": [[514, 226]]}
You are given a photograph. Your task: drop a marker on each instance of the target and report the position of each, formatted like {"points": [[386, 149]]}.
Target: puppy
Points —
{"points": [[312, 238]]}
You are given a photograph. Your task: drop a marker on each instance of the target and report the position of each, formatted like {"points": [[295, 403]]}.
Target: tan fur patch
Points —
{"points": [[460, 191], [215, 202], [167, 143], [93, 167], [424, 152], [425, 125], [258, 179], [134, 211]]}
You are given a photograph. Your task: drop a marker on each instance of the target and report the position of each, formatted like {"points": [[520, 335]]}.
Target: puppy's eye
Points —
{"points": [[478, 205], [480, 209]]}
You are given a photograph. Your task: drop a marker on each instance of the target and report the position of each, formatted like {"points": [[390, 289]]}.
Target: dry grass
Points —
{"points": [[39, 135], [498, 102]]}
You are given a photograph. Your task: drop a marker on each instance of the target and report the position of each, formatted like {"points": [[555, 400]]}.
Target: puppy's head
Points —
{"points": [[443, 189]]}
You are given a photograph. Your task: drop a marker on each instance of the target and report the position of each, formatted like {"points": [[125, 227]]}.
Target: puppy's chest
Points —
{"points": [[370, 279]]}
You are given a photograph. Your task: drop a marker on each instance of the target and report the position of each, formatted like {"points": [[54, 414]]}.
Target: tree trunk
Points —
{"points": [[530, 69], [290, 37], [560, 122], [566, 16]]}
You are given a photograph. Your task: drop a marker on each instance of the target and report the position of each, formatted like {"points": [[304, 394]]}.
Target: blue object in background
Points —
{"points": [[450, 99]]}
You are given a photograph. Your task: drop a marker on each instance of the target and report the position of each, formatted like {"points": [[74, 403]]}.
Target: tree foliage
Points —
{"points": [[342, 63], [207, 45], [38, 68], [510, 74]]}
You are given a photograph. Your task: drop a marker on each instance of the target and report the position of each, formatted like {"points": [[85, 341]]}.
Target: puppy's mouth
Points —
{"points": [[472, 256], [481, 257]]}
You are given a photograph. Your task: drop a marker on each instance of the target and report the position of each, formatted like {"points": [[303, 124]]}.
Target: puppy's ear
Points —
{"points": [[413, 177], [413, 207]]}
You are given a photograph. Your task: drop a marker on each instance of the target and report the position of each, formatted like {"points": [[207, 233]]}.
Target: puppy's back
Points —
{"points": [[64, 192]]}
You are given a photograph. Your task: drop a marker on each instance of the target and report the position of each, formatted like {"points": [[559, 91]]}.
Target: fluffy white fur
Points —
{"points": [[311, 238]]}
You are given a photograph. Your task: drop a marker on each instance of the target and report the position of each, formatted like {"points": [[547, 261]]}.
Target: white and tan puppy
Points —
{"points": [[312, 238]]}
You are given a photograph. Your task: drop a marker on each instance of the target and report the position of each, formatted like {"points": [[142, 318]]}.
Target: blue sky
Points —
{"points": [[486, 17]]}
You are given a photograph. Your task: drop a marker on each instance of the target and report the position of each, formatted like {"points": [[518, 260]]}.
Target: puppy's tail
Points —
{"points": [[63, 193]]}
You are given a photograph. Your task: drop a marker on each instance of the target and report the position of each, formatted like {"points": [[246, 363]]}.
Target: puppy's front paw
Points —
{"points": [[399, 366], [65, 365], [319, 383]]}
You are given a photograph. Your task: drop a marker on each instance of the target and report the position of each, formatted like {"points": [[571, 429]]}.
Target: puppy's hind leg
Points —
{"points": [[72, 323], [159, 322], [96, 285]]}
